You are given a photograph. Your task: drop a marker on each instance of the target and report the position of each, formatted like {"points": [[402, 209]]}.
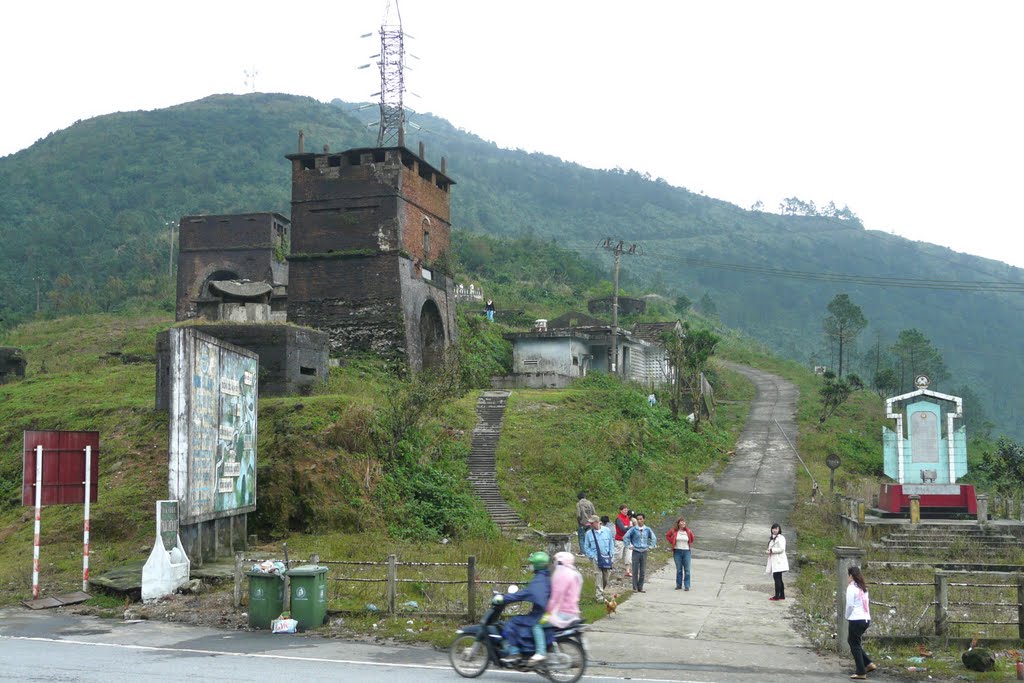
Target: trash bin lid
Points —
{"points": [[265, 575], [306, 570]]}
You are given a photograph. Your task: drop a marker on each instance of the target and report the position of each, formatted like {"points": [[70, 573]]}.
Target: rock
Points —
{"points": [[195, 586], [979, 659]]}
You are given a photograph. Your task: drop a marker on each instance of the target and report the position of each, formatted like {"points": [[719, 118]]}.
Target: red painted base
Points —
{"points": [[895, 498]]}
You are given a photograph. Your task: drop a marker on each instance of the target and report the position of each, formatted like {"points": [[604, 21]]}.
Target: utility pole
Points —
{"points": [[617, 251], [170, 251]]}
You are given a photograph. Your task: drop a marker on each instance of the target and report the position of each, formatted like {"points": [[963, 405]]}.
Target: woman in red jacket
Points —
{"points": [[680, 539]]}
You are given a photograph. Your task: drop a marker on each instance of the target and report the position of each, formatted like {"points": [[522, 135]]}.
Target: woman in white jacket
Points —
{"points": [[858, 614], [777, 561]]}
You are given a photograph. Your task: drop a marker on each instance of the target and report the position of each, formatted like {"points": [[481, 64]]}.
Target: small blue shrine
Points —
{"points": [[926, 454]]}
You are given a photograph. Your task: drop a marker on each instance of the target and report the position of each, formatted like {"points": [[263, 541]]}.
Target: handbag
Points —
{"points": [[604, 560]]}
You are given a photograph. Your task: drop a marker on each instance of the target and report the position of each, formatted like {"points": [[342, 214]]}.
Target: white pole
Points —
{"points": [[85, 532], [39, 507]]}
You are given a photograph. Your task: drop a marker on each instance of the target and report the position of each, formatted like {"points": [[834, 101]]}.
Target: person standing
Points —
{"points": [[599, 546], [621, 527], [490, 310], [680, 539], [584, 510], [640, 539], [777, 561], [858, 614]]}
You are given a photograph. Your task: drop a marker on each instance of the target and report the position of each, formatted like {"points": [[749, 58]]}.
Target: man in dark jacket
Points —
{"points": [[518, 631]]}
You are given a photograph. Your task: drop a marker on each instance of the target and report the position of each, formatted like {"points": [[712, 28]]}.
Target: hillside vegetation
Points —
{"points": [[87, 211]]}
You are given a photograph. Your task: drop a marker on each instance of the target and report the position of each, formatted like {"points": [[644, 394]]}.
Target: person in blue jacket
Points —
{"points": [[518, 632]]}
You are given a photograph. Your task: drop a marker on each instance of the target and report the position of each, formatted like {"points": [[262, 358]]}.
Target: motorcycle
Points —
{"points": [[477, 647]]}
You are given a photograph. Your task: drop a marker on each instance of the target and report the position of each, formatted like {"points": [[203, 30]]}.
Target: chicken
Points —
{"points": [[923, 651], [611, 605]]}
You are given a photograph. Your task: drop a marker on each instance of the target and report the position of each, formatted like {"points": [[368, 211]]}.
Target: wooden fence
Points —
{"points": [[988, 600], [386, 575]]}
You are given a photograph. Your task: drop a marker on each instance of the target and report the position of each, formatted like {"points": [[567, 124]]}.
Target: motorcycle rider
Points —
{"points": [[518, 630]]}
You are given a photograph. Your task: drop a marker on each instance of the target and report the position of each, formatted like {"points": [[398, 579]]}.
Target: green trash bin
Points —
{"points": [[309, 595], [266, 598]]}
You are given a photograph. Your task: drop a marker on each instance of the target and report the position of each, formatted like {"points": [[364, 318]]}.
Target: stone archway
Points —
{"points": [[432, 336]]}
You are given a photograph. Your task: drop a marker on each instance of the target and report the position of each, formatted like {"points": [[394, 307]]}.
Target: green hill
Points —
{"points": [[86, 212]]}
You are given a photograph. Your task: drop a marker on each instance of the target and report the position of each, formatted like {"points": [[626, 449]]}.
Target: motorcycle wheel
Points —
{"points": [[566, 662], [468, 656]]}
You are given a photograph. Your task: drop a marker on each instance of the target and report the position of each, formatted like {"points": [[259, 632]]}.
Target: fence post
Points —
{"points": [[941, 601], [392, 582], [915, 509], [1020, 606], [237, 596], [860, 511], [471, 588], [845, 558], [982, 508]]}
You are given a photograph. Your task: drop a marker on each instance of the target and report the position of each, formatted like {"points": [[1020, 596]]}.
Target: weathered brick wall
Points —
{"points": [[356, 301], [242, 244], [416, 292], [426, 207]]}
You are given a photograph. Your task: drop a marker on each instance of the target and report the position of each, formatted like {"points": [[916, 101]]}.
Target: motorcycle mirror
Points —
{"points": [[513, 588]]}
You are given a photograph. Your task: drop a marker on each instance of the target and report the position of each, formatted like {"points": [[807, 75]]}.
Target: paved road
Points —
{"points": [[725, 628]]}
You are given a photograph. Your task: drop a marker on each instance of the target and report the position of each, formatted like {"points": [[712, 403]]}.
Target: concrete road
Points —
{"points": [[725, 628]]}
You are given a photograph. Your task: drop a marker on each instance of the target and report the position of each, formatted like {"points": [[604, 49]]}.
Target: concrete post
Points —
{"points": [[860, 511], [471, 588], [915, 509], [392, 582], [982, 508], [846, 557], [1020, 606], [941, 601]]}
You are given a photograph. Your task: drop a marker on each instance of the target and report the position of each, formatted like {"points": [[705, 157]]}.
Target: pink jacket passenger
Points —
{"points": [[566, 585]]}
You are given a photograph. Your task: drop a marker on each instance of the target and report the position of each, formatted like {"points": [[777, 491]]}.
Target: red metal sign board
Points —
{"points": [[63, 467]]}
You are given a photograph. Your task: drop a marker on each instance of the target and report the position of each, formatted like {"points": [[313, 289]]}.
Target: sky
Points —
{"points": [[910, 112]]}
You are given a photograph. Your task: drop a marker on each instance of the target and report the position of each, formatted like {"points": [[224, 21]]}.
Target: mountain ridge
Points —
{"points": [[91, 204]]}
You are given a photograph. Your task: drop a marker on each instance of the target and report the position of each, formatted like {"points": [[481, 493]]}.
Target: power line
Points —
{"points": [[848, 278]]}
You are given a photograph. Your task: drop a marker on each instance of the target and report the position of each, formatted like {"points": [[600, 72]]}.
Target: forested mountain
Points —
{"points": [[86, 213]]}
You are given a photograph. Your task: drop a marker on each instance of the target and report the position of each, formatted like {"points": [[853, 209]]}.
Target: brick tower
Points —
{"points": [[369, 230]]}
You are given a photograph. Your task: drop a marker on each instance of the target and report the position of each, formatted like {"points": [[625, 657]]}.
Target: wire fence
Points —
{"points": [[392, 587]]}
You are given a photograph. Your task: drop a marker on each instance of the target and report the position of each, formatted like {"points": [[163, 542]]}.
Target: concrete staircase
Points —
{"points": [[490, 410], [936, 539]]}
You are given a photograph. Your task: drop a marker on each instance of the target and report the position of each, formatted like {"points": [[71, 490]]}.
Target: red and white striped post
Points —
{"points": [[85, 531], [39, 507]]}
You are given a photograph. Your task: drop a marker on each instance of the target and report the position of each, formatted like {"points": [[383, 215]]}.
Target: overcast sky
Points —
{"points": [[910, 112]]}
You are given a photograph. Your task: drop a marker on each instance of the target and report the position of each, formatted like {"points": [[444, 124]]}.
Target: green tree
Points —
{"points": [[707, 306], [683, 304], [835, 392], [916, 356], [1004, 467], [689, 356], [886, 382], [843, 323]]}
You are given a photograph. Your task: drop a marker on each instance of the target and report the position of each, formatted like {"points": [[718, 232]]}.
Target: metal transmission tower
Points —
{"points": [[391, 129], [617, 250]]}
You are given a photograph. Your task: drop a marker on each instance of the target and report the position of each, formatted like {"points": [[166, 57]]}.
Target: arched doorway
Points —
{"points": [[432, 336], [217, 276]]}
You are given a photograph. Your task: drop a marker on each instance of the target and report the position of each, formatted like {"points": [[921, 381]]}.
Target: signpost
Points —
{"points": [[833, 463], [59, 468]]}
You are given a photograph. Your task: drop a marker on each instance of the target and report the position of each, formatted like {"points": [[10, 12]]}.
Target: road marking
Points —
{"points": [[325, 660]]}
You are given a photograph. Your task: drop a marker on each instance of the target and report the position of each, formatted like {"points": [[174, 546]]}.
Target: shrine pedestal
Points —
{"points": [[935, 498]]}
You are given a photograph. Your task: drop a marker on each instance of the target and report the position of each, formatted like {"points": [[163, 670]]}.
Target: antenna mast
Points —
{"points": [[392, 81]]}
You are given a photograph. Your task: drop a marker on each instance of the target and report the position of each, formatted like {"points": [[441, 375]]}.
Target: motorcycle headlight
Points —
{"points": [[459, 632]]}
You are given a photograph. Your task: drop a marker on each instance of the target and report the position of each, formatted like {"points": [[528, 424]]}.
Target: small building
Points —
{"points": [[627, 305], [564, 351], [218, 250], [12, 364]]}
